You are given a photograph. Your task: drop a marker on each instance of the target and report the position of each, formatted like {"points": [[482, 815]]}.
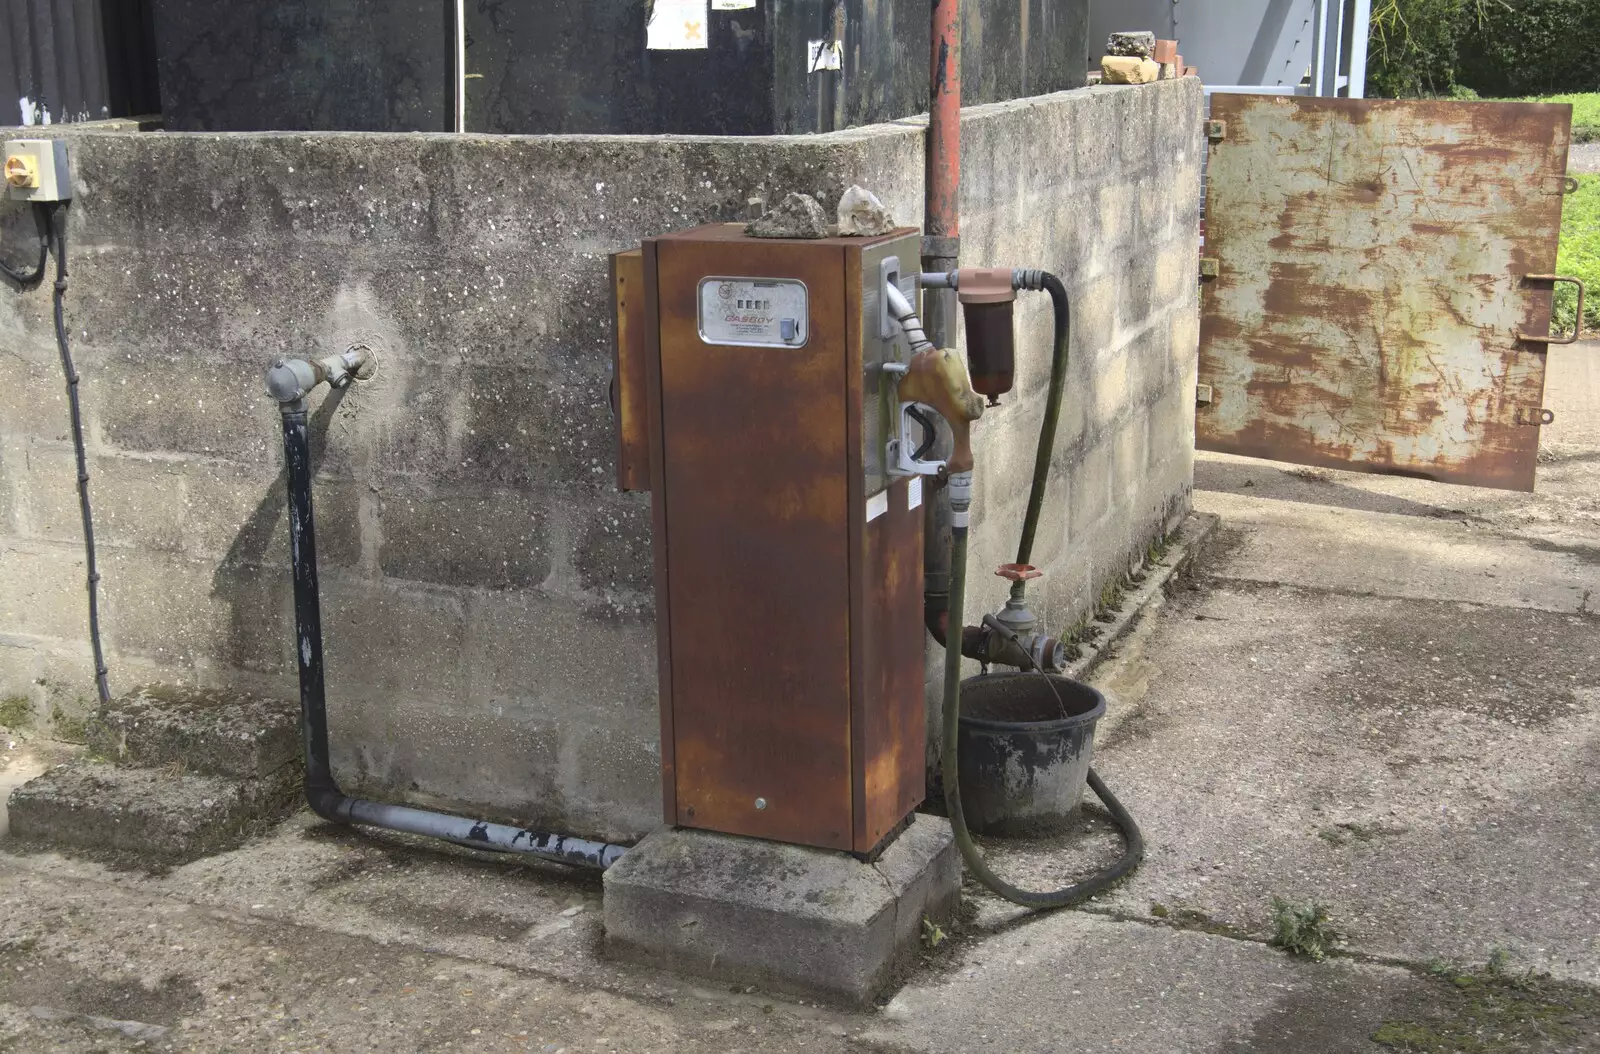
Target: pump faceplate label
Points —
{"points": [[765, 312]]}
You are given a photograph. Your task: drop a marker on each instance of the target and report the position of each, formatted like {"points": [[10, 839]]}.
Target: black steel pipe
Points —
{"points": [[322, 792]]}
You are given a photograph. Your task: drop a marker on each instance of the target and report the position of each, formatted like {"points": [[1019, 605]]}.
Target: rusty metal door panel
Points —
{"points": [[1368, 289]]}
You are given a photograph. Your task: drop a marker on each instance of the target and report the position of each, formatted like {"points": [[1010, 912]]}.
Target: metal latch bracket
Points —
{"points": [[1577, 321]]}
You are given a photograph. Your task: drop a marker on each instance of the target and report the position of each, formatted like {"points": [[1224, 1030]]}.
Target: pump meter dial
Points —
{"points": [[759, 312]]}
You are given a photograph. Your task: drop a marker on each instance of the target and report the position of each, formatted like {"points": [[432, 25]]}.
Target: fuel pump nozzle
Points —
{"points": [[937, 379]]}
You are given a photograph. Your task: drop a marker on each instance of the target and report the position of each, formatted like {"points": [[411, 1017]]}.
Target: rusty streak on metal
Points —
{"points": [[1367, 310]]}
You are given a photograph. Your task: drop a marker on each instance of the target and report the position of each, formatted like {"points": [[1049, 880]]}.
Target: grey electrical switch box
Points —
{"points": [[37, 170]]}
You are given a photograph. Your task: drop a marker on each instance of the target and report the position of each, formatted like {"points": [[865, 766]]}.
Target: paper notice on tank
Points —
{"points": [[732, 5], [677, 25]]}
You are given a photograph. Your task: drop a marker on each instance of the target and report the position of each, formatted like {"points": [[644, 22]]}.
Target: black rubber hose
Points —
{"points": [[58, 226], [1133, 840], [1052, 413], [27, 278]]}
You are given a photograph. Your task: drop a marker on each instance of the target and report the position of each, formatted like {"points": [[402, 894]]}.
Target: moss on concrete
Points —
{"points": [[69, 728], [16, 712], [1484, 1012]]}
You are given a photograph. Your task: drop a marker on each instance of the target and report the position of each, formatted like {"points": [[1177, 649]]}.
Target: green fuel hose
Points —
{"points": [[1060, 898]]}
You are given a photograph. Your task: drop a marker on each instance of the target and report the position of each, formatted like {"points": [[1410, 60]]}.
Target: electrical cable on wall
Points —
{"points": [[28, 278], [58, 230], [51, 220]]}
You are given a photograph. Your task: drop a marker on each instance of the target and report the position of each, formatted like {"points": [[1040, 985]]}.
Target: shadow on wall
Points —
{"points": [[255, 582]]}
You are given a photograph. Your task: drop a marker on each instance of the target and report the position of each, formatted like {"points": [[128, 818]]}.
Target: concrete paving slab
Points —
{"points": [[210, 730], [1383, 553], [1071, 981], [97, 966], [149, 814], [1423, 768]]}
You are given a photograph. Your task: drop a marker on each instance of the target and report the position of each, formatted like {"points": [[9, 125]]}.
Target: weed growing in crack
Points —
{"points": [[1302, 929]]}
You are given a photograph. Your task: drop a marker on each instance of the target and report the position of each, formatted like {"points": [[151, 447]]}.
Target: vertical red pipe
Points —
{"points": [[942, 219], [940, 248], [944, 121]]}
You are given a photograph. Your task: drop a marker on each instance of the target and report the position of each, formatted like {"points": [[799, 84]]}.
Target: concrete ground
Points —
{"points": [[1379, 695], [1583, 157]]}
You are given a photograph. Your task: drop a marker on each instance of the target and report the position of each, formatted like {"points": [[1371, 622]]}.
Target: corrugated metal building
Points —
{"points": [[77, 60]]}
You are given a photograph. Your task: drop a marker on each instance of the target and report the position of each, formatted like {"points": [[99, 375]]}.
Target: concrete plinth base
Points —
{"points": [[783, 917]]}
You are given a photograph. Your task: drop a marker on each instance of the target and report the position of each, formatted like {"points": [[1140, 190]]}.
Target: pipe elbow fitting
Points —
{"points": [[327, 800], [936, 618], [290, 380]]}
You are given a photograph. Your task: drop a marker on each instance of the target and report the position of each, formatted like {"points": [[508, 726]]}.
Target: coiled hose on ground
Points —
{"points": [[1133, 840]]}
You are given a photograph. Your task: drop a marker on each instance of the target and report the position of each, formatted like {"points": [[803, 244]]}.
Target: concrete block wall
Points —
{"points": [[487, 594], [1105, 193]]}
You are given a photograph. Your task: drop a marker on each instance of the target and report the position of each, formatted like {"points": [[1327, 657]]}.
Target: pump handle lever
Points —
{"points": [[930, 431]]}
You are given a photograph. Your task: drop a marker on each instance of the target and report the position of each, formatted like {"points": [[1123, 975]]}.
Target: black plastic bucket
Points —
{"points": [[1024, 754]]}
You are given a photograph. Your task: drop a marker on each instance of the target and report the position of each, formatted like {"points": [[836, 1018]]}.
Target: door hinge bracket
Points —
{"points": [[1210, 267], [1533, 415], [1216, 130], [1202, 395]]}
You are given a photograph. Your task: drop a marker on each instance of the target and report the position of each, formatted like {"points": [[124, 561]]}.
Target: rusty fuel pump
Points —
{"points": [[779, 399]]}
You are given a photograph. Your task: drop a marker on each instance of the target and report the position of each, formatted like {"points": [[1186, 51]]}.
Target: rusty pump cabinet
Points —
{"points": [[778, 399], [753, 404]]}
